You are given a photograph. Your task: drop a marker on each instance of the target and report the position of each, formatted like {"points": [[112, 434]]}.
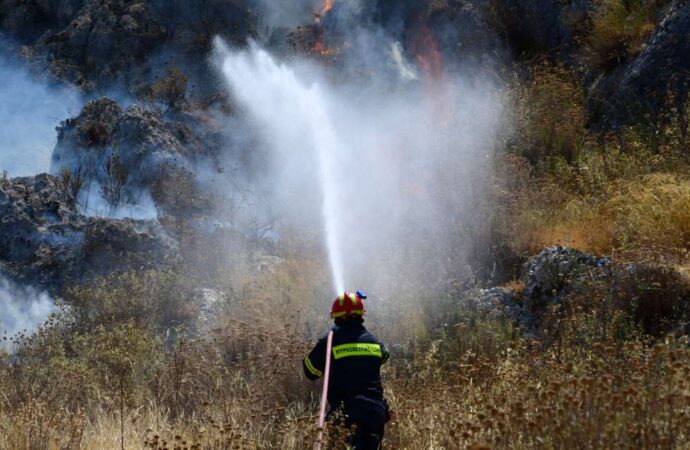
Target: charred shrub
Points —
{"points": [[171, 90], [116, 179], [94, 134]]}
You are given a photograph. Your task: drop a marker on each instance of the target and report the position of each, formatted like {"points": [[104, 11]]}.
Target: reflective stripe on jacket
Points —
{"points": [[356, 360]]}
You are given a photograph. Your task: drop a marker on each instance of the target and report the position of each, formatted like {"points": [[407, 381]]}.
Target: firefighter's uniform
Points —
{"points": [[355, 380]]}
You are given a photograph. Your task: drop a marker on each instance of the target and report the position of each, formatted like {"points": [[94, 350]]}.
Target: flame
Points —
{"points": [[427, 53], [425, 49], [327, 6], [320, 47], [325, 9]]}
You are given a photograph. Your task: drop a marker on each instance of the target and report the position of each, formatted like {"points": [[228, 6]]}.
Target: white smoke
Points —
{"points": [[92, 203], [387, 171], [406, 71], [22, 309], [29, 112], [286, 13]]}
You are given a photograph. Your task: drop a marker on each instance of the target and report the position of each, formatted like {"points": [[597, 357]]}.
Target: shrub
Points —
{"points": [[94, 133], [158, 300], [116, 179], [171, 90], [548, 116], [619, 30], [72, 181], [654, 211]]}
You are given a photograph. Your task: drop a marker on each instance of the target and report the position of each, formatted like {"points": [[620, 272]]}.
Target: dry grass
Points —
{"points": [[478, 386], [639, 219], [548, 115], [625, 195], [620, 29]]}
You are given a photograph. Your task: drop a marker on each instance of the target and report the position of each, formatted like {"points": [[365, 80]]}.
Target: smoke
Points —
{"points": [[29, 112], [386, 170], [286, 13], [92, 203], [23, 309]]}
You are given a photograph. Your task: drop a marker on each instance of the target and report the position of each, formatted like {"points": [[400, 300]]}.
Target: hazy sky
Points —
{"points": [[29, 112]]}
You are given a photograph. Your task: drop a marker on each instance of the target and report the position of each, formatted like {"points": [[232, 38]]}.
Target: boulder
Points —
{"points": [[657, 298], [553, 274], [496, 303], [210, 302]]}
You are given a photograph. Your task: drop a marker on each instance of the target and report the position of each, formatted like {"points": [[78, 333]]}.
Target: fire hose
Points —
{"points": [[324, 395]]}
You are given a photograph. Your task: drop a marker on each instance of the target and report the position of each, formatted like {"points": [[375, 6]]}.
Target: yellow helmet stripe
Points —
{"points": [[353, 298]]}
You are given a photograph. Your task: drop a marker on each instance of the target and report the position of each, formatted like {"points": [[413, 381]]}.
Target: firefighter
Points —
{"points": [[355, 387]]}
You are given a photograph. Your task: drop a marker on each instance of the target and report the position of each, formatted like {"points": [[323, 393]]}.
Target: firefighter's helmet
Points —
{"points": [[348, 304]]}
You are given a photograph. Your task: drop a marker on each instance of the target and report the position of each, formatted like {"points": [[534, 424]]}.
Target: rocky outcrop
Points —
{"points": [[27, 20], [95, 44], [554, 274], [45, 241], [134, 149], [100, 43], [642, 86], [657, 298], [210, 302]]}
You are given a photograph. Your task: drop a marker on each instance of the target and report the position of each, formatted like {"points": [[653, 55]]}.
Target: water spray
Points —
{"points": [[260, 83], [384, 175]]}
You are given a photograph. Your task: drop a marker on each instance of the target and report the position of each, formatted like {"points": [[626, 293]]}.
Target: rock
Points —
{"points": [[657, 298], [641, 86], [104, 39], [45, 241], [498, 304], [95, 44], [27, 20], [553, 274], [210, 302], [456, 29], [142, 149], [464, 35]]}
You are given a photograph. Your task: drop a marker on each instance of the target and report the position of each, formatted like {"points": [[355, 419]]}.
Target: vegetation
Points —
{"points": [[116, 180], [131, 362], [620, 29], [592, 381], [171, 90], [623, 194], [72, 181]]}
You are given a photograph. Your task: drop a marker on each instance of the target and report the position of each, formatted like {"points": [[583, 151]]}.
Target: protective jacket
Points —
{"points": [[356, 361]]}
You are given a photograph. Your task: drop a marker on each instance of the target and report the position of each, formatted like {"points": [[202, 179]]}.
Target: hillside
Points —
{"points": [[508, 180]]}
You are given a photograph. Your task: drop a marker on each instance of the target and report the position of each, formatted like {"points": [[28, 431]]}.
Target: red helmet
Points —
{"points": [[348, 304]]}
